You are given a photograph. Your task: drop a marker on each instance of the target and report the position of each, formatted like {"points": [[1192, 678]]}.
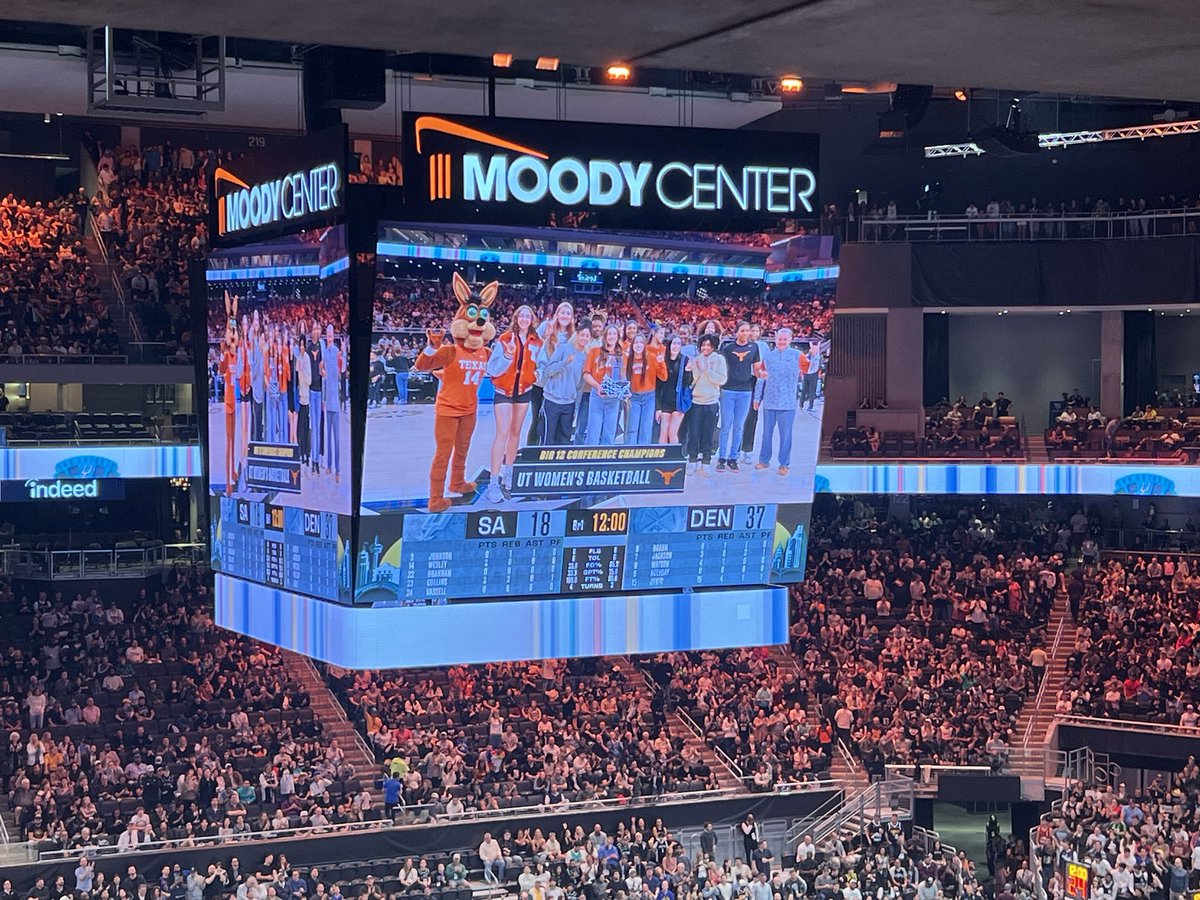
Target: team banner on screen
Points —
{"points": [[523, 170], [593, 470]]}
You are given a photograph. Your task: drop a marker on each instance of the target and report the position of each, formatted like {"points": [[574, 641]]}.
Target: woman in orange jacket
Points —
{"points": [[513, 370], [645, 368]]}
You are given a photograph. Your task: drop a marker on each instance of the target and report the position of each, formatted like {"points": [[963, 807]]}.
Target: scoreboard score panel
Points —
{"points": [[448, 557]]}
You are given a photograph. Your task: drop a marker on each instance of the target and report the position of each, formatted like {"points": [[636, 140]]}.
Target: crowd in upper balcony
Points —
{"points": [[50, 299]]}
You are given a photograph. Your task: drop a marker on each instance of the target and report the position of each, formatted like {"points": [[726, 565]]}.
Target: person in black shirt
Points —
{"points": [[742, 365]]}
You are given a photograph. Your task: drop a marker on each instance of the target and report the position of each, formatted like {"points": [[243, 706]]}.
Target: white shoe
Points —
{"points": [[747, 458], [706, 470], [506, 477], [494, 494], [691, 468]]}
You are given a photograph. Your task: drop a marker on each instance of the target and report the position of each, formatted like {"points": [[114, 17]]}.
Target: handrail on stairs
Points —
{"points": [[340, 711], [721, 755], [1037, 700], [118, 288]]}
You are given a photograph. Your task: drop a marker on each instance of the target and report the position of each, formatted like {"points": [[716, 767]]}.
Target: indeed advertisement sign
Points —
{"points": [[280, 189], [528, 171], [53, 489]]}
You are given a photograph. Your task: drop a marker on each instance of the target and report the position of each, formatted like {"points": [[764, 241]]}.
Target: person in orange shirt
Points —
{"points": [[603, 372], [513, 370], [463, 364], [229, 358], [646, 368]]}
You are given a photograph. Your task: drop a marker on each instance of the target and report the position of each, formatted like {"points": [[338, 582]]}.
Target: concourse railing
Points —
{"points": [[98, 563]]}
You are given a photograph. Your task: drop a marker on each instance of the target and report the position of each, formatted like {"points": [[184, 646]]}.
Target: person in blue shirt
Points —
{"points": [[775, 395], [607, 854], [391, 794]]}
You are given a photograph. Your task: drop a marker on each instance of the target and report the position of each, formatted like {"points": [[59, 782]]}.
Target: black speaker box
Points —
{"points": [[345, 78]]}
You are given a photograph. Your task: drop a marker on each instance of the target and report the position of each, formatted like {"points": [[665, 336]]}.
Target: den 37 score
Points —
{"points": [[494, 527]]}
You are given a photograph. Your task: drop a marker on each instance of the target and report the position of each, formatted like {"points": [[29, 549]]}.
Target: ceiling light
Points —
{"points": [[791, 84], [619, 72], [547, 63], [502, 60], [960, 95]]}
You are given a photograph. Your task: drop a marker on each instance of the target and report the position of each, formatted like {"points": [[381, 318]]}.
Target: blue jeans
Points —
{"points": [[333, 444], [734, 407], [581, 417], [639, 429], [783, 420], [401, 387], [603, 413], [315, 426]]}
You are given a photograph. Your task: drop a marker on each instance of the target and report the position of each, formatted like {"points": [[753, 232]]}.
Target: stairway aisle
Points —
{"points": [[1033, 725], [104, 277], [335, 724]]}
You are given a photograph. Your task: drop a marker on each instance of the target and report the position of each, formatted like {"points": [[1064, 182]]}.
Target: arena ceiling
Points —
{"points": [[1093, 47]]}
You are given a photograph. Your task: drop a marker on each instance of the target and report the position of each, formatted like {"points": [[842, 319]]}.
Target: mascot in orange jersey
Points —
{"points": [[463, 365]]}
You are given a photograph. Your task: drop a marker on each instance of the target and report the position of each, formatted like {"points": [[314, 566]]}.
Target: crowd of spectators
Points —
{"points": [[132, 725], [50, 301], [152, 210], [510, 735], [1169, 434], [413, 304], [914, 641], [754, 707], [1137, 843], [1135, 653]]}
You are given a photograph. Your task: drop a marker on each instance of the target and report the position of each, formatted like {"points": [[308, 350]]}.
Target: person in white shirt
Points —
{"points": [[492, 858]]}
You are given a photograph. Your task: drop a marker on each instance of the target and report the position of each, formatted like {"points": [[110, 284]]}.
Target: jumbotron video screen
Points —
{"points": [[563, 412], [280, 474]]}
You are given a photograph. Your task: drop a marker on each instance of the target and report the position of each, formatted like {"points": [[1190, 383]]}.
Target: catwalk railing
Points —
{"points": [[1031, 227]]}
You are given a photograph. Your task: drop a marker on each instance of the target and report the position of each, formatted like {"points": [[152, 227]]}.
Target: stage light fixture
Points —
{"points": [[960, 95], [502, 60], [547, 63], [791, 84], [619, 72]]}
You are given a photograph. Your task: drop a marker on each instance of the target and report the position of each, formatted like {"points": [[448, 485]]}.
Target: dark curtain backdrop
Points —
{"points": [[1141, 360], [1057, 273], [937, 359]]}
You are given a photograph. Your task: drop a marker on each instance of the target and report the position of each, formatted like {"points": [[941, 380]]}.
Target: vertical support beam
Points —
{"points": [[1112, 361]]}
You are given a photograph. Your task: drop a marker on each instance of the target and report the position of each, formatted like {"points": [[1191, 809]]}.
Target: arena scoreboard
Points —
{"points": [[282, 546], [580, 551]]}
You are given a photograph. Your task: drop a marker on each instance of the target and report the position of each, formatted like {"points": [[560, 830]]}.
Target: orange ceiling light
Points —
{"points": [[619, 72], [791, 84], [502, 60], [547, 63]]}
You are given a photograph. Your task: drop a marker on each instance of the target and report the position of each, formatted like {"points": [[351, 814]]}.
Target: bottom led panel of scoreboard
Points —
{"points": [[573, 551]]}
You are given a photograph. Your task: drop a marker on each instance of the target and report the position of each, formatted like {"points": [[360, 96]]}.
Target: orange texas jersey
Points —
{"points": [[462, 372]]}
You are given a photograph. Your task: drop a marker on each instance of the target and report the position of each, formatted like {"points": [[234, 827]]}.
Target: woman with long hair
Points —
{"points": [[513, 370], [557, 329], [603, 372], [645, 369], [674, 395]]}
